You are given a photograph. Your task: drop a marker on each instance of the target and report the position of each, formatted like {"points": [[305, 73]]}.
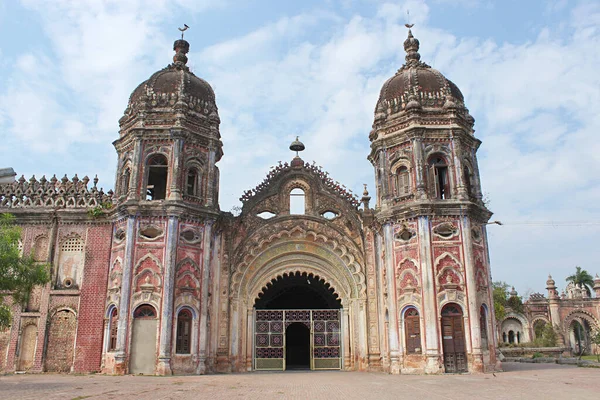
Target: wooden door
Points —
{"points": [[453, 339]]}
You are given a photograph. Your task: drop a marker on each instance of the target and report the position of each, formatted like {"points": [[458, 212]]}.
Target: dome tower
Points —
{"points": [[430, 208]]}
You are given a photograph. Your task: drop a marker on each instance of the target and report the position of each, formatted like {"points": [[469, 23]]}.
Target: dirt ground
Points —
{"points": [[519, 381]]}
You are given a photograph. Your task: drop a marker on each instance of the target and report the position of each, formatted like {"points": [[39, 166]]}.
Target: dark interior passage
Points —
{"points": [[297, 346], [297, 291]]}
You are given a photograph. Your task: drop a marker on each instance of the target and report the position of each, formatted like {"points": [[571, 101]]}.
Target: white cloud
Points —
{"points": [[535, 102]]}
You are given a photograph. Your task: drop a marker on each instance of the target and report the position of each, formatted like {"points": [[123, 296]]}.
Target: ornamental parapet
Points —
{"points": [[53, 193], [315, 170]]}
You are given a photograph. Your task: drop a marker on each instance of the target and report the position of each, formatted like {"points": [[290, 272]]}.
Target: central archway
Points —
{"points": [[300, 291]]}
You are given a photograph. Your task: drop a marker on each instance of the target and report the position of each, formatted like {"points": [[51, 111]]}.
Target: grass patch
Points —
{"points": [[80, 397]]}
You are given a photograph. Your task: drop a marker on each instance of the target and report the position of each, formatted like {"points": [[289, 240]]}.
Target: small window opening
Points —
{"points": [[156, 189], [467, 179], [402, 181], [184, 329], [483, 327], [112, 342], [266, 215], [329, 215], [439, 178], [125, 181], [297, 201], [412, 328], [192, 182]]}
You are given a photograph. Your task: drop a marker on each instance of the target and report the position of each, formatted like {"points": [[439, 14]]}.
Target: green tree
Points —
{"points": [[500, 295], [549, 336], [583, 278], [18, 274]]}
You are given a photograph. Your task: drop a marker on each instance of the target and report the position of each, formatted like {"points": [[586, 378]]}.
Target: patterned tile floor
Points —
{"points": [[519, 381]]}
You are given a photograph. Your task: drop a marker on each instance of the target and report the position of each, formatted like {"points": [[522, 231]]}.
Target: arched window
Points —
{"points": [[112, 329], [297, 201], [144, 311], [184, 332], [192, 183], [439, 179], [483, 326], [156, 187], [125, 178], [412, 329], [402, 181]]}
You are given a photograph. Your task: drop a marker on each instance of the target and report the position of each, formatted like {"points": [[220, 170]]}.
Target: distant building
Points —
{"points": [[575, 315], [154, 278]]}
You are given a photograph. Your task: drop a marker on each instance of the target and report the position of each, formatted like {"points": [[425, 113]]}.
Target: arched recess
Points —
{"points": [[522, 326], [304, 252], [578, 326], [61, 340]]}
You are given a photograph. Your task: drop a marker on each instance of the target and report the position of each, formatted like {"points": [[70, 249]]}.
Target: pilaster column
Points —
{"points": [[388, 234], [204, 328], [137, 189], [461, 190], [473, 318], [123, 322], [347, 339], [417, 143], [166, 320], [176, 178], [249, 338], [430, 313], [210, 189]]}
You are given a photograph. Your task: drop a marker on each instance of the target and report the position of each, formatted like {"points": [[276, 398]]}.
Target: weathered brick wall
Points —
{"points": [[61, 339], [92, 298]]}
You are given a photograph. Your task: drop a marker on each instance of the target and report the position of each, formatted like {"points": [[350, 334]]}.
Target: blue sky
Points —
{"points": [[528, 71]]}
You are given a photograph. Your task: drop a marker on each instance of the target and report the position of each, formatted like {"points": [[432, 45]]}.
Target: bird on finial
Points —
{"points": [[185, 28]]}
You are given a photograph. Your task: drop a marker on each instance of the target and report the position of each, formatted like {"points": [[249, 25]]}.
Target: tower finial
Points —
{"points": [[297, 146], [411, 46], [181, 47], [185, 28], [408, 24]]}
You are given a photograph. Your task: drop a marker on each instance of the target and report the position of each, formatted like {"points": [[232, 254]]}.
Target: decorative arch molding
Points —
{"points": [[455, 267], [460, 302], [539, 318], [271, 274], [260, 251], [578, 315], [60, 308], [438, 149], [109, 308], [518, 317]]}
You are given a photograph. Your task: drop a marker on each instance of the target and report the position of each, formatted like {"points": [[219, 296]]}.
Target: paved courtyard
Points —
{"points": [[519, 381]]}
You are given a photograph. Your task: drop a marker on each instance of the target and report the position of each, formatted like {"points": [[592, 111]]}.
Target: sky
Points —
{"points": [[528, 71]]}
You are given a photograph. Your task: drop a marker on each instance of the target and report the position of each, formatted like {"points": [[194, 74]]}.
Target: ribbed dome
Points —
{"points": [[174, 82], [417, 84]]}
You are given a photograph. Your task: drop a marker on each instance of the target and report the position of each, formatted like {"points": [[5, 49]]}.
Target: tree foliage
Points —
{"points": [[18, 273], [595, 340], [582, 278], [503, 300]]}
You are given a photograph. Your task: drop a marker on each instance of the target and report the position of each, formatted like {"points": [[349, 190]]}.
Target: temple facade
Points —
{"points": [[153, 278]]}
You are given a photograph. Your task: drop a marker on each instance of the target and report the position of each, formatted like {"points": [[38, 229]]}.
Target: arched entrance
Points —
{"points": [[297, 322], [453, 339], [143, 341]]}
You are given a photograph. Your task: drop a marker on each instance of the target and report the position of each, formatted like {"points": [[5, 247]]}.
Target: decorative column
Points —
{"points": [[120, 355], [204, 328], [347, 339], [394, 344], [461, 190], [417, 143], [137, 169], [249, 338], [473, 318], [430, 314], [166, 320], [176, 179], [210, 189]]}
